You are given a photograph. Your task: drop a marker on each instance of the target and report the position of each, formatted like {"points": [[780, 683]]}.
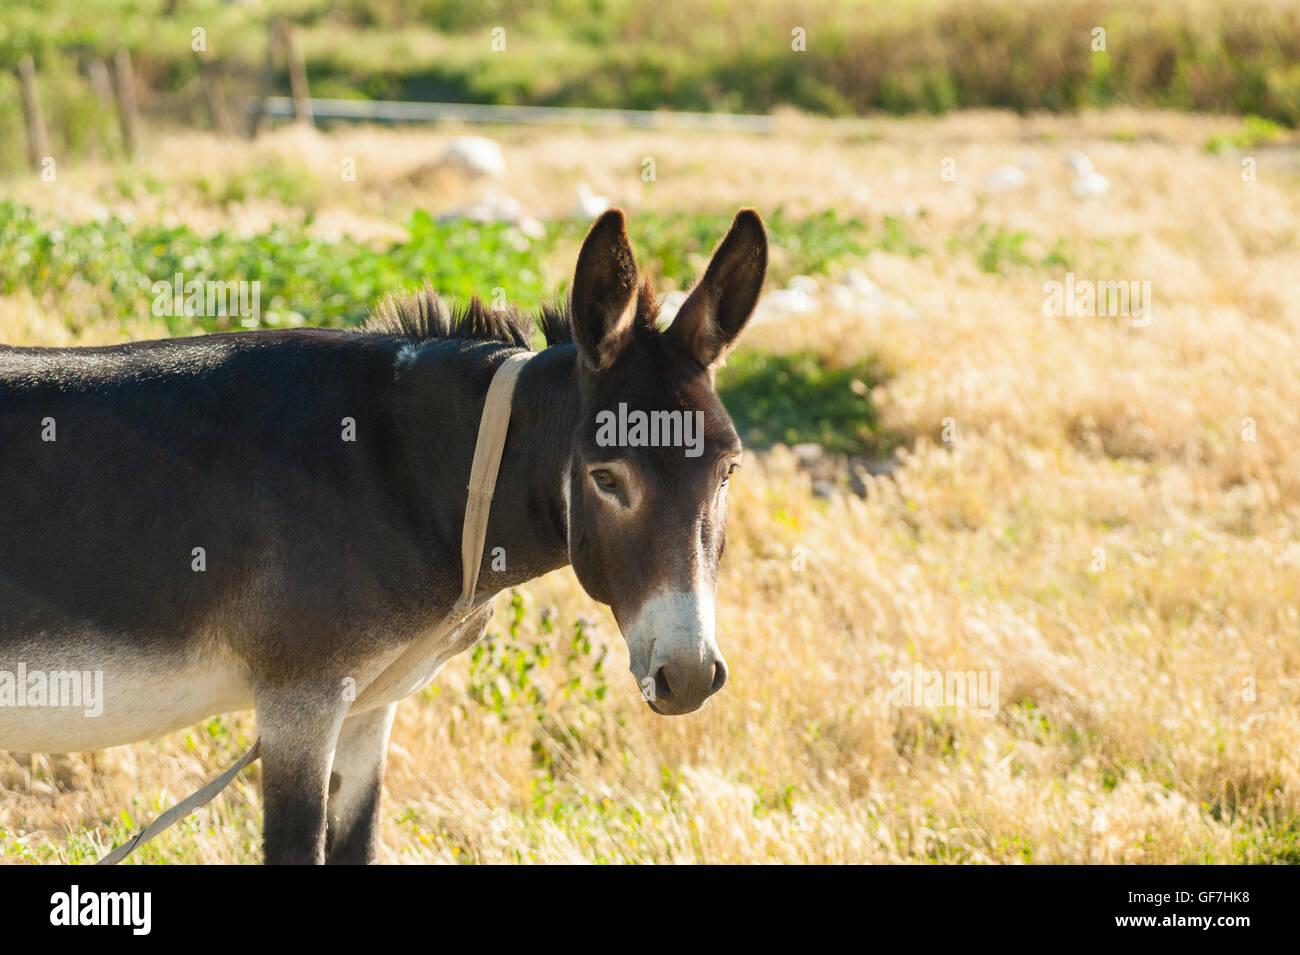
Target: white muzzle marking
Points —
{"points": [[674, 656]]}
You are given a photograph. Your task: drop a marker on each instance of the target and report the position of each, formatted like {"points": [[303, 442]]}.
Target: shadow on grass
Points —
{"points": [[799, 397]]}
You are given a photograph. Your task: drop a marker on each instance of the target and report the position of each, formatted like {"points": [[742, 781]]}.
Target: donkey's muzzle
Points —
{"points": [[682, 687], [673, 654]]}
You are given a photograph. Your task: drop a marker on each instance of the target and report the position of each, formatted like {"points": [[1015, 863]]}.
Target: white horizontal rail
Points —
{"points": [[394, 111]]}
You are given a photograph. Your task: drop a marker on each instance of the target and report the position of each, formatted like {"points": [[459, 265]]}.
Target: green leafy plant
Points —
{"points": [[515, 676], [799, 397]]}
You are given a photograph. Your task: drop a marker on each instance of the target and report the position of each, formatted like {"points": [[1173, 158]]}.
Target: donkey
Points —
{"points": [[262, 519]]}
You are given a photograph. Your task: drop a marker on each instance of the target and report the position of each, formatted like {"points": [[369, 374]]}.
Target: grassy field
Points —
{"points": [[1104, 512]]}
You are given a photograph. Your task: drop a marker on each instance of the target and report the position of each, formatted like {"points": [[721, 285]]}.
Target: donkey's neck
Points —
{"points": [[529, 515], [435, 407]]}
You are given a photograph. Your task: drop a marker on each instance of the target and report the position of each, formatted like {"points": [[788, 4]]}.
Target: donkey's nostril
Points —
{"points": [[662, 690], [719, 675]]}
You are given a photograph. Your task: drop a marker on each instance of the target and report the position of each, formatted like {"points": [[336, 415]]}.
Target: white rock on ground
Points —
{"points": [[531, 227], [1079, 164], [842, 297], [800, 295], [1087, 182], [477, 155], [669, 303], [494, 207], [1093, 184], [853, 292], [857, 281], [1004, 178], [782, 303], [588, 205]]}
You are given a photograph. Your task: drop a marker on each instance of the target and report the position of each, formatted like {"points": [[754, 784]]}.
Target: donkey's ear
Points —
{"points": [[604, 292], [712, 317]]}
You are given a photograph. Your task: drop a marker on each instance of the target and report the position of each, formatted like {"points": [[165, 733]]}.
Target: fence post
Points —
{"points": [[257, 119], [101, 83], [38, 143], [126, 102], [297, 75], [217, 106]]}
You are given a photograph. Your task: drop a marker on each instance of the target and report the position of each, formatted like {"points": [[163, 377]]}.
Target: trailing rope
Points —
{"points": [[176, 813]]}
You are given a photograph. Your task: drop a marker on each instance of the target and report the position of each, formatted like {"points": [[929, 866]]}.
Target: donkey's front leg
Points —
{"points": [[355, 781], [299, 726]]}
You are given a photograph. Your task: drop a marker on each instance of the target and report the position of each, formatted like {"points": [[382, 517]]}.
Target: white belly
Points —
{"points": [[76, 701], [126, 697]]}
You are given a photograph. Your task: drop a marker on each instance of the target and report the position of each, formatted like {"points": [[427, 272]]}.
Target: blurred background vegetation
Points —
{"points": [[1233, 56]]}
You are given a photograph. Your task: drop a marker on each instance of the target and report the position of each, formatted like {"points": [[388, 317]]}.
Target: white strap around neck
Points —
{"points": [[483, 473], [482, 483]]}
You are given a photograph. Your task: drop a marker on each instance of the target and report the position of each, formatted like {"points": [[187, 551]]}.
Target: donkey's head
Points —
{"points": [[653, 451]]}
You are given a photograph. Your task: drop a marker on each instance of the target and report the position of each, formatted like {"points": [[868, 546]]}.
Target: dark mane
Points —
{"points": [[423, 315]]}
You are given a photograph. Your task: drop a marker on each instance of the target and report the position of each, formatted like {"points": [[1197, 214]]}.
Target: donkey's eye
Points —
{"points": [[604, 478]]}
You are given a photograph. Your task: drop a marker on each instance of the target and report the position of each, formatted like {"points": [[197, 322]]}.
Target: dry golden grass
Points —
{"points": [[1149, 711]]}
